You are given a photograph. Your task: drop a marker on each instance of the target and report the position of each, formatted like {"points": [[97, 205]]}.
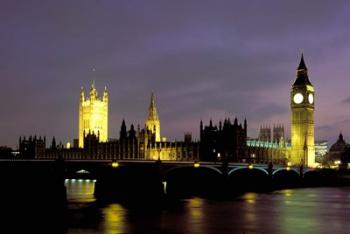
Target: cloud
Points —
{"points": [[345, 101]]}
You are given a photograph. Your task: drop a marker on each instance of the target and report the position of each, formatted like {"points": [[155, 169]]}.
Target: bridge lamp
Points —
{"points": [[250, 166], [288, 168], [289, 164], [115, 164], [196, 164]]}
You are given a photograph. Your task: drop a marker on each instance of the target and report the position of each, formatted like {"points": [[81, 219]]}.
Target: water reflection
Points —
{"points": [[114, 219], [196, 214], [250, 198], [312, 210]]}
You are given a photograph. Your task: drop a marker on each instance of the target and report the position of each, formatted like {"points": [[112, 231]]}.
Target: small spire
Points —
{"points": [[152, 99], [302, 76], [152, 110], [302, 65], [341, 137]]}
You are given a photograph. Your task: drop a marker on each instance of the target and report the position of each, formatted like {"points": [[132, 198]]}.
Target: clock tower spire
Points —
{"points": [[302, 124]]}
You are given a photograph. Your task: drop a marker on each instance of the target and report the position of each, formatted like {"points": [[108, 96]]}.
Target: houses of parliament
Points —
{"points": [[225, 141]]}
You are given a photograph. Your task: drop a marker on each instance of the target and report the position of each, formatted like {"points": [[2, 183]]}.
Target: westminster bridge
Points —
{"points": [[145, 179]]}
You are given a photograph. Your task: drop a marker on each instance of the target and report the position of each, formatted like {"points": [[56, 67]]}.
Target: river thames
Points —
{"points": [[306, 210]]}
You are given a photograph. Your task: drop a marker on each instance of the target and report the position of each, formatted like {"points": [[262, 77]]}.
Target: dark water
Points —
{"points": [[310, 210]]}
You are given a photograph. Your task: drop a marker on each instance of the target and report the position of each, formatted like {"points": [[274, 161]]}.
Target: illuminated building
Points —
{"points": [[152, 122], [321, 150], [93, 115], [154, 147], [268, 151], [139, 144], [302, 124], [177, 150], [270, 146]]}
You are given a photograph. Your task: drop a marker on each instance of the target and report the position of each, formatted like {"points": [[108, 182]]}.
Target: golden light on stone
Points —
{"points": [[302, 119], [93, 115]]}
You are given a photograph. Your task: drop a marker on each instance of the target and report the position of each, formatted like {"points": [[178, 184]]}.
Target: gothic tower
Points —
{"points": [[152, 121], [302, 129], [93, 115]]}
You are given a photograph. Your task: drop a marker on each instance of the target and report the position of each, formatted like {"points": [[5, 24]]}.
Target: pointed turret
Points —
{"points": [[105, 95], [123, 132], [302, 74], [152, 110], [302, 65], [53, 143], [152, 121], [132, 132], [82, 95], [93, 91]]}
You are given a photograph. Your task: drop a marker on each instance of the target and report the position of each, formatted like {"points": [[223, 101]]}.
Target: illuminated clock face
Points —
{"points": [[298, 98], [311, 98]]}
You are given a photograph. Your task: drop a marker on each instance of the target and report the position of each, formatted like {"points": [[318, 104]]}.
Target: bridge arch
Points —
{"points": [[243, 179], [286, 177], [245, 168], [191, 166], [188, 180], [285, 169], [307, 170]]}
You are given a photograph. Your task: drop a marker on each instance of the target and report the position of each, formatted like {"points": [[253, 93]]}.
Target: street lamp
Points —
{"points": [[115, 164]]}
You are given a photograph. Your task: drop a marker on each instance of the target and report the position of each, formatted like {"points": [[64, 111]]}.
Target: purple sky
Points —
{"points": [[203, 59]]}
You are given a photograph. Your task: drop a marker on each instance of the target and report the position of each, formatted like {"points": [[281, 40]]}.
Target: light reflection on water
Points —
{"points": [[114, 219], [311, 210]]}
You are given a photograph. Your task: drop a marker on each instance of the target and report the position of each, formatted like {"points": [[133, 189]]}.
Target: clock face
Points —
{"points": [[298, 98], [311, 98]]}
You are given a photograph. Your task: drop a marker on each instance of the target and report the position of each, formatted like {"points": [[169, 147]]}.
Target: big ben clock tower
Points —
{"points": [[302, 129]]}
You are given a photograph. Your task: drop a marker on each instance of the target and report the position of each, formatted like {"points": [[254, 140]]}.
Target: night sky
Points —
{"points": [[203, 59]]}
